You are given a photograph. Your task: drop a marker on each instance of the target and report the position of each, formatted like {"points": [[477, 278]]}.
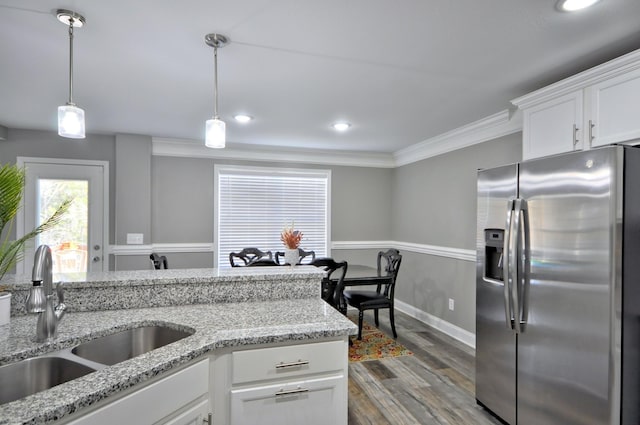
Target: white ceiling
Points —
{"points": [[400, 71]]}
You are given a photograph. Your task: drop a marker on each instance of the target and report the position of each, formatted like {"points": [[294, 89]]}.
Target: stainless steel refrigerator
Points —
{"points": [[558, 289]]}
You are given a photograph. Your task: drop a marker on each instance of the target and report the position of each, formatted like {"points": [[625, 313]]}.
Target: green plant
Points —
{"points": [[12, 180]]}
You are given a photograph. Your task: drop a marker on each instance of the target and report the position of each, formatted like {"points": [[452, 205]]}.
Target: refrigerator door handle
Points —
{"points": [[515, 271], [507, 265], [525, 266]]}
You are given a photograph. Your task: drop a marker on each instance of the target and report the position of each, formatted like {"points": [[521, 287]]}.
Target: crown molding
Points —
{"points": [[196, 149], [605, 71], [497, 125]]}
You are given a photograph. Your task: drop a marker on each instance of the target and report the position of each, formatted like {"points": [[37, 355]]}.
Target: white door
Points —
{"points": [[77, 242]]}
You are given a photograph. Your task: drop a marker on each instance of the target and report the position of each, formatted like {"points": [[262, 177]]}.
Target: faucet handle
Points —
{"points": [[36, 300]]}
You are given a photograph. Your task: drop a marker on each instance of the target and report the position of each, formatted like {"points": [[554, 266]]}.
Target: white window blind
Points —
{"points": [[255, 204]]}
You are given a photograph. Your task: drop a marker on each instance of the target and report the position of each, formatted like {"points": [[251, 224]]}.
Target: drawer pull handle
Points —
{"points": [[298, 390], [299, 363]]}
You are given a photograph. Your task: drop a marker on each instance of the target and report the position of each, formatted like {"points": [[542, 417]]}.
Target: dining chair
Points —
{"points": [[279, 256], [248, 256], [383, 296], [332, 286], [158, 261]]}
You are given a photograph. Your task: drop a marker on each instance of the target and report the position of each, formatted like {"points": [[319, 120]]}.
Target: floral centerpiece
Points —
{"points": [[291, 239]]}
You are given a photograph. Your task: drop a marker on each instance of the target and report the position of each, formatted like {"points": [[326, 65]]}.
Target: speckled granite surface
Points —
{"points": [[226, 308], [216, 325], [155, 288]]}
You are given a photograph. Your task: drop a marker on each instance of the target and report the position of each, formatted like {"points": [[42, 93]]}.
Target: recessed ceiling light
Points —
{"points": [[573, 5], [243, 118], [341, 126]]}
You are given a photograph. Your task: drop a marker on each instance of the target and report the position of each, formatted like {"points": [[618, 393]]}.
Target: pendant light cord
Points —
{"points": [[215, 81], [71, 22]]}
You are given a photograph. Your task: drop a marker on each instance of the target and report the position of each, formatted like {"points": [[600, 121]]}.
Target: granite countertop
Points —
{"points": [[215, 325], [224, 308]]}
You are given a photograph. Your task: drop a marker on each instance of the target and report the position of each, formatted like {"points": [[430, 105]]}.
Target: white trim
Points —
{"points": [[440, 251], [160, 248], [196, 149], [456, 332], [605, 71], [497, 125]]}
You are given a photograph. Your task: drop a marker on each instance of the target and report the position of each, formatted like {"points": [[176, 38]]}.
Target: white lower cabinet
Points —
{"points": [[284, 385], [151, 404], [310, 402], [196, 415]]}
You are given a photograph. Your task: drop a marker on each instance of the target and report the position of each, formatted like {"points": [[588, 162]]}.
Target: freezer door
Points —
{"points": [[495, 340], [564, 348]]}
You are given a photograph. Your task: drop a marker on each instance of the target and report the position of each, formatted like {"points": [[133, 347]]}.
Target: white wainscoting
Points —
{"points": [[440, 251]]}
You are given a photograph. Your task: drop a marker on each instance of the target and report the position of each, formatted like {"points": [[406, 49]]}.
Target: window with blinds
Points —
{"points": [[254, 204]]}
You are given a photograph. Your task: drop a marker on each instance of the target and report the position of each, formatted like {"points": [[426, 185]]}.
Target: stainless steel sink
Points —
{"points": [[121, 346], [30, 376]]}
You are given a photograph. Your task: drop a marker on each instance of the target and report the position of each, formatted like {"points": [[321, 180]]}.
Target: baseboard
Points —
{"points": [[450, 329]]}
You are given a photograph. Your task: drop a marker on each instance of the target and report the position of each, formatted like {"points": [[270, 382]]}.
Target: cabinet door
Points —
{"points": [[614, 109], [318, 401], [197, 415], [553, 127]]}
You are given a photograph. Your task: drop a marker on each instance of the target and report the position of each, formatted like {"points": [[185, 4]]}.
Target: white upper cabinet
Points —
{"points": [[615, 109], [597, 107], [553, 127]]}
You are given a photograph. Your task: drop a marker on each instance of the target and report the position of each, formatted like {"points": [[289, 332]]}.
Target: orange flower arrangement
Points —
{"points": [[291, 238]]}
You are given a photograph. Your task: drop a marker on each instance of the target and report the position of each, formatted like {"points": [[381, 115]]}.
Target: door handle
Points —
{"points": [[506, 269], [525, 279], [515, 272], [575, 136]]}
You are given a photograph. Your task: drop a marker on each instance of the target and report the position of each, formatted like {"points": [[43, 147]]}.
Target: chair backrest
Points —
{"points": [[301, 252], [389, 265], [331, 266], [158, 261], [248, 256]]}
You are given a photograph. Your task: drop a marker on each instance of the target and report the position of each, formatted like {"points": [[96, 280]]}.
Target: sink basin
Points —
{"points": [[121, 346], [30, 376]]}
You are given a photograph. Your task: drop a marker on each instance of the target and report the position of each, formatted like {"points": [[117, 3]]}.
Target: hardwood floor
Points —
{"points": [[434, 386]]}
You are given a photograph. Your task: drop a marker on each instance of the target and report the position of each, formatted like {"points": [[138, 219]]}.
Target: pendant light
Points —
{"points": [[215, 128], [70, 117]]}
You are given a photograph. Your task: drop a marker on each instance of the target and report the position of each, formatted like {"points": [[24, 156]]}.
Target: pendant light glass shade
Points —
{"points": [[71, 121], [215, 134]]}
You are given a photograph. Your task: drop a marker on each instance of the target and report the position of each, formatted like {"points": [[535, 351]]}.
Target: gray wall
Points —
{"points": [[182, 202], [435, 204]]}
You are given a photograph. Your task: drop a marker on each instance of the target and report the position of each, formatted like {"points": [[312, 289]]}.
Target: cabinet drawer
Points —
{"points": [[294, 360], [318, 401]]}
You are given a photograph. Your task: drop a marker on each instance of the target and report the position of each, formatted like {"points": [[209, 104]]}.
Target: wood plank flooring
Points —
{"points": [[435, 386]]}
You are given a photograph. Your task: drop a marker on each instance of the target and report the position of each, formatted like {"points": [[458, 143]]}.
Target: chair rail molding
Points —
{"points": [[440, 251], [160, 247]]}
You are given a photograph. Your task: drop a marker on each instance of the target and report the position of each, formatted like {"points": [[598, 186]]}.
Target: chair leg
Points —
{"points": [[360, 318], [393, 322]]}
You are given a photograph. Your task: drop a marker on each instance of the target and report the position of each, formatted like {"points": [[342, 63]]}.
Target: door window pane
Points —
{"points": [[69, 239]]}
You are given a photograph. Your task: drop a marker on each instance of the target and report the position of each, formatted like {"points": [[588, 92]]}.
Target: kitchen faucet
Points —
{"points": [[40, 299]]}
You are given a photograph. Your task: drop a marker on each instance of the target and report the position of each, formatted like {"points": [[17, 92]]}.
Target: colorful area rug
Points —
{"points": [[375, 344]]}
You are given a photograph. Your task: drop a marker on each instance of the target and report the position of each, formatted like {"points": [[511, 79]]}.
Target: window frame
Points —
{"points": [[221, 169]]}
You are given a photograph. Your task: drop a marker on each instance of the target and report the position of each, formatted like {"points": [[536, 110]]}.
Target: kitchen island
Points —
{"points": [[260, 316]]}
